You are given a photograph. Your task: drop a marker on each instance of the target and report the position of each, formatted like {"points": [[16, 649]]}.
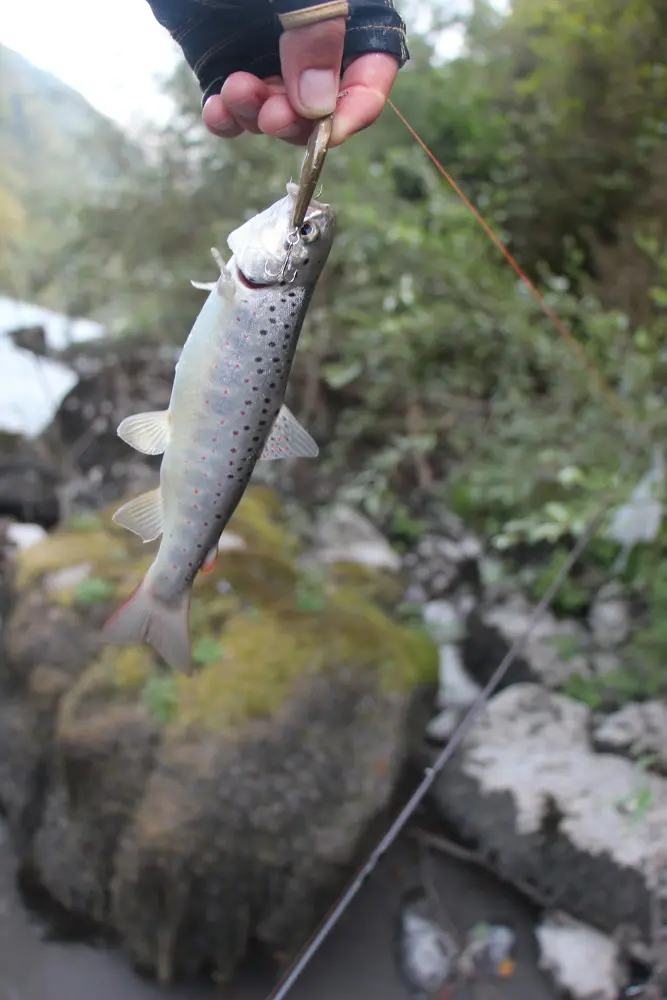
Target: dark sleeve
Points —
{"points": [[220, 37]]}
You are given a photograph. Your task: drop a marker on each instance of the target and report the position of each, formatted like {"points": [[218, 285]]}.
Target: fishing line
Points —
{"points": [[283, 987], [550, 313]]}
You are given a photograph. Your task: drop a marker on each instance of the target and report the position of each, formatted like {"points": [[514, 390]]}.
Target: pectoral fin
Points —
{"points": [[288, 439], [146, 432], [143, 515]]}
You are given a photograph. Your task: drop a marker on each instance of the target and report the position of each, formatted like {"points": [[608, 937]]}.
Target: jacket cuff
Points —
{"points": [[221, 37]]}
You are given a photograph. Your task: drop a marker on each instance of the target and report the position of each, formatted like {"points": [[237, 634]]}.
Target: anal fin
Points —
{"points": [[143, 515], [288, 439], [146, 432]]}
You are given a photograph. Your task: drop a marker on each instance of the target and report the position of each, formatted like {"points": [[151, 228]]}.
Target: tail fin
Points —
{"points": [[143, 618]]}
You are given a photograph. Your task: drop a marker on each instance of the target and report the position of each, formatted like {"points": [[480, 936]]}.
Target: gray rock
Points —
{"points": [[582, 827], [440, 564], [345, 535], [609, 617], [584, 963], [638, 729], [551, 653]]}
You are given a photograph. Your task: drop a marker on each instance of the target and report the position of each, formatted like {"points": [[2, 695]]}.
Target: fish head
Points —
{"points": [[267, 250]]}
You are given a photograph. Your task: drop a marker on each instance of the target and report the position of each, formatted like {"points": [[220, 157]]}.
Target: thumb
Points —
{"points": [[311, 59]]}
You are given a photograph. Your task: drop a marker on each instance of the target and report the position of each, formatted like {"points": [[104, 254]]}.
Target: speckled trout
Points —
{"points": [[226, 413]]}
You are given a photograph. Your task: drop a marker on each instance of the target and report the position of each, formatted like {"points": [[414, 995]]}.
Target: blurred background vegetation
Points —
{"points": [[426, 369]]}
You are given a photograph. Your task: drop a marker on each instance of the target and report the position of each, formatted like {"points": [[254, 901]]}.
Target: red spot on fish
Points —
{"points": [[174, 566], [195, 491], [187, 522], [203, 458], [196, 506], [206, 401], [206, 524], [230, 463], [213, 440], [221, 422], [243, 413], [246, 380], [225, 392], [219, 484], [237, 365], [232, 450]]}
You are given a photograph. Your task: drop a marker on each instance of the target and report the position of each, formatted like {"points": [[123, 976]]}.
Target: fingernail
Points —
{"points": [[318, 90]]}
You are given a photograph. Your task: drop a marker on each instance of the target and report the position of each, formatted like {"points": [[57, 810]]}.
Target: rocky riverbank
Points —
{"points": [[195, 820]]}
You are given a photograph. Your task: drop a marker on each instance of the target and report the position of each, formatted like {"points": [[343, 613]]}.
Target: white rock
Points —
{"points": [[442, 725], [639, 728], [455, 687], [22, 536], [64, 579], [583, 962], [345, 535], [443, 622], [229, 542], [528, 786], [535, 745], [551, 648]]}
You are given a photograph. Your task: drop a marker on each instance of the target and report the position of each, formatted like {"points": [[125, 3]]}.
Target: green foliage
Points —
{"points": [[160, 696], [94, 590], [431, 372], [207, 650]]}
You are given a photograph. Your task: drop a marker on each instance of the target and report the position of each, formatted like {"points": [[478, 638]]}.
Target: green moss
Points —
{"points": [[261, 522], [252, 643]]}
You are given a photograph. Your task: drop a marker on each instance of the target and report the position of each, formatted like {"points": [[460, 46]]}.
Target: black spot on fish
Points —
{"points": [[275, 359], [263, 332], [272, 309], [272, 320], [260, 371], [272, 385], [258, 358], [272, 343]]}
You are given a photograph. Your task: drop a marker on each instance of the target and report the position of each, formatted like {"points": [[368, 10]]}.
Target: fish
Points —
{"points": [[226, 412]]}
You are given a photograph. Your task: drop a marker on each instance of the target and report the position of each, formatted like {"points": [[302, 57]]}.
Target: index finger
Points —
{"points": [[368, 81]]}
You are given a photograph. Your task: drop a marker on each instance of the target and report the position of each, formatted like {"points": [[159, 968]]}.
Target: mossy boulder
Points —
{"points": [[195, 814]]}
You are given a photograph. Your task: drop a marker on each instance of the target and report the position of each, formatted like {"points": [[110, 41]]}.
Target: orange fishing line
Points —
{"points": [[516, 267]]}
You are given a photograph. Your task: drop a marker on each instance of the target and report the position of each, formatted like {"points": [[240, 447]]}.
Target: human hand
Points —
{"points": [[285, 106]]}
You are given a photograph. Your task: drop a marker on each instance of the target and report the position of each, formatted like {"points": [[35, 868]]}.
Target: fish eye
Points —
{"points": [[309, 232]]}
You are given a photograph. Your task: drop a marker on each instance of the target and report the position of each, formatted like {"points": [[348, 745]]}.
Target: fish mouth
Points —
{"points": [[249, 283]]}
